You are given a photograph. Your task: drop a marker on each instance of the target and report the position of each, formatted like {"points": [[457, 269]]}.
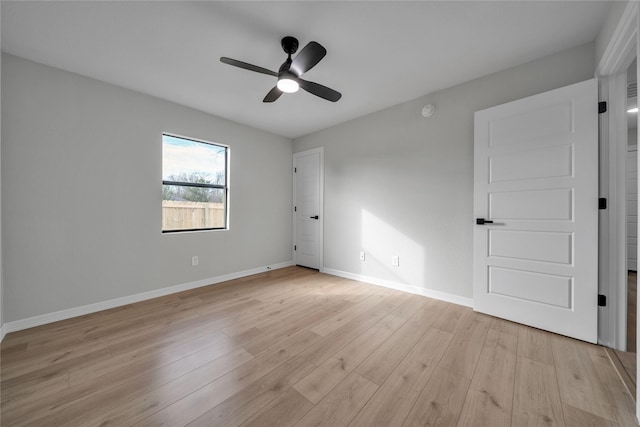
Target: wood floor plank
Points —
{"points": [[293, 326], [625, 364], [22, 390], [342, 318], [463, 353], [390, 405], [504, 326], [246, 352], [242, 405], [440, 402], [490, 396], [145, 358], [620, 401], [535, 344], [89, 399], [577, 377], [341, 337], [536, 397], [340, 406], [205, 398], [575, 417], [278, 311], [45, 373], [381, 362], [318, 383], [137, 408], [284, 411], [322, 380], [451, 319]]}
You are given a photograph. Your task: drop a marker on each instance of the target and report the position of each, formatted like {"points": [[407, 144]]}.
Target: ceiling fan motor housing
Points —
{"points": [[289, 44]]}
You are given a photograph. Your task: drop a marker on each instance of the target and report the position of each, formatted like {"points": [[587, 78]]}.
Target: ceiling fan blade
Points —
{"points": [[272, 95], [308, 57], [319, 90], [247, 66]]}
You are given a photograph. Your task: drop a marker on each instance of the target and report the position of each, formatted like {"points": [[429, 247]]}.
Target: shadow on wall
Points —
{"points": [[381, 242]]}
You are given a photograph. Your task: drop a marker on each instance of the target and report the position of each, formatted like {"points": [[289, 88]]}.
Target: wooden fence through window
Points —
{"points": [[183, 215]]}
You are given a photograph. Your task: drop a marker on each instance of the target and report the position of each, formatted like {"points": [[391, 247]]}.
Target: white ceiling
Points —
{"points": [[380, 53]]}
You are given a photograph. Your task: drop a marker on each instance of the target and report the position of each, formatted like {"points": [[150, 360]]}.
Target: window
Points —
{"points": [[194, 184]]}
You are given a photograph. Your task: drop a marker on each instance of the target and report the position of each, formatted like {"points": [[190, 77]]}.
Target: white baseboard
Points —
{"points": [[3, 332], [30, 322], [443, 296]]}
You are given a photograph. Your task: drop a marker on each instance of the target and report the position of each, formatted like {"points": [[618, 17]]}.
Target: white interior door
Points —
{"points": [[308, 208], [536, 178]]}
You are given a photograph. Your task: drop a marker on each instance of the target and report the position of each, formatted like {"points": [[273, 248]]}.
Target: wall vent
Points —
{"points": [[632, 90]]}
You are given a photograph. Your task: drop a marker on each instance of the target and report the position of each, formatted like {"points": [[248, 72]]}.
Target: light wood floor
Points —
{"points": [[625, 361], [296, 347]]}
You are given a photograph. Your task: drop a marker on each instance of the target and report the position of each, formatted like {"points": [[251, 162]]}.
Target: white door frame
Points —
{"points": [[320, 151], [612, 71], [631, 149], [618, 55], [613, 257]]}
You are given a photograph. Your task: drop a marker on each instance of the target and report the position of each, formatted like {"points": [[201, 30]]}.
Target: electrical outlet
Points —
{"points": [[194, 261], [395, 260], [361, 256]]}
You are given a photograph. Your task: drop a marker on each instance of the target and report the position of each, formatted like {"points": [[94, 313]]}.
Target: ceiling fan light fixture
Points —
{"points": [[288, 85], [288, 75]]}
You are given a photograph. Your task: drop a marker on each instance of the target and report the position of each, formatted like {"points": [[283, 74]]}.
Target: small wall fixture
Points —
{"points": [[428, 110]]}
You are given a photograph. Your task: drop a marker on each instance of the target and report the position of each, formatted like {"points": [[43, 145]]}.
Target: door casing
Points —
{"points": [[320, 152], [616, 58]]}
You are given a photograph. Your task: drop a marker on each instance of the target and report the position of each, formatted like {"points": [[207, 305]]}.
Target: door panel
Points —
{"points": [[538, 163], [535, 177], [307, 210], [532, 205], [535, 246], [549, 289], [553, 122]]}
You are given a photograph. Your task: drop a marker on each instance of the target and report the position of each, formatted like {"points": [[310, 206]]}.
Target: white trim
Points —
{"points": [[442, 296], [320, 151], [30, 322], [3, 332], [620, 51], [613, 65], [617, 217], [618, 55]]}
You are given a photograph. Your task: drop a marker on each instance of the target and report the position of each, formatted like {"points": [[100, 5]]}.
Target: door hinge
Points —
{"points": [[295, 209], [295, 170], [602, 203], [602, 107], [602, 300], [295, 247]]}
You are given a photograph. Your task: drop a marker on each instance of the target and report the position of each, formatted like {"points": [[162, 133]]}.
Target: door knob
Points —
{"points": [[482, 221], [314, 217]]}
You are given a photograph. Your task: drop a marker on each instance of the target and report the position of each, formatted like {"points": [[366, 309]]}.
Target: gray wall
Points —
{"points": [[399, 184], [81, 174]]}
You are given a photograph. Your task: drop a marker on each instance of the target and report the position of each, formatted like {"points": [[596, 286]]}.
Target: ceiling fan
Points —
{"points": [[288, 75]]}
